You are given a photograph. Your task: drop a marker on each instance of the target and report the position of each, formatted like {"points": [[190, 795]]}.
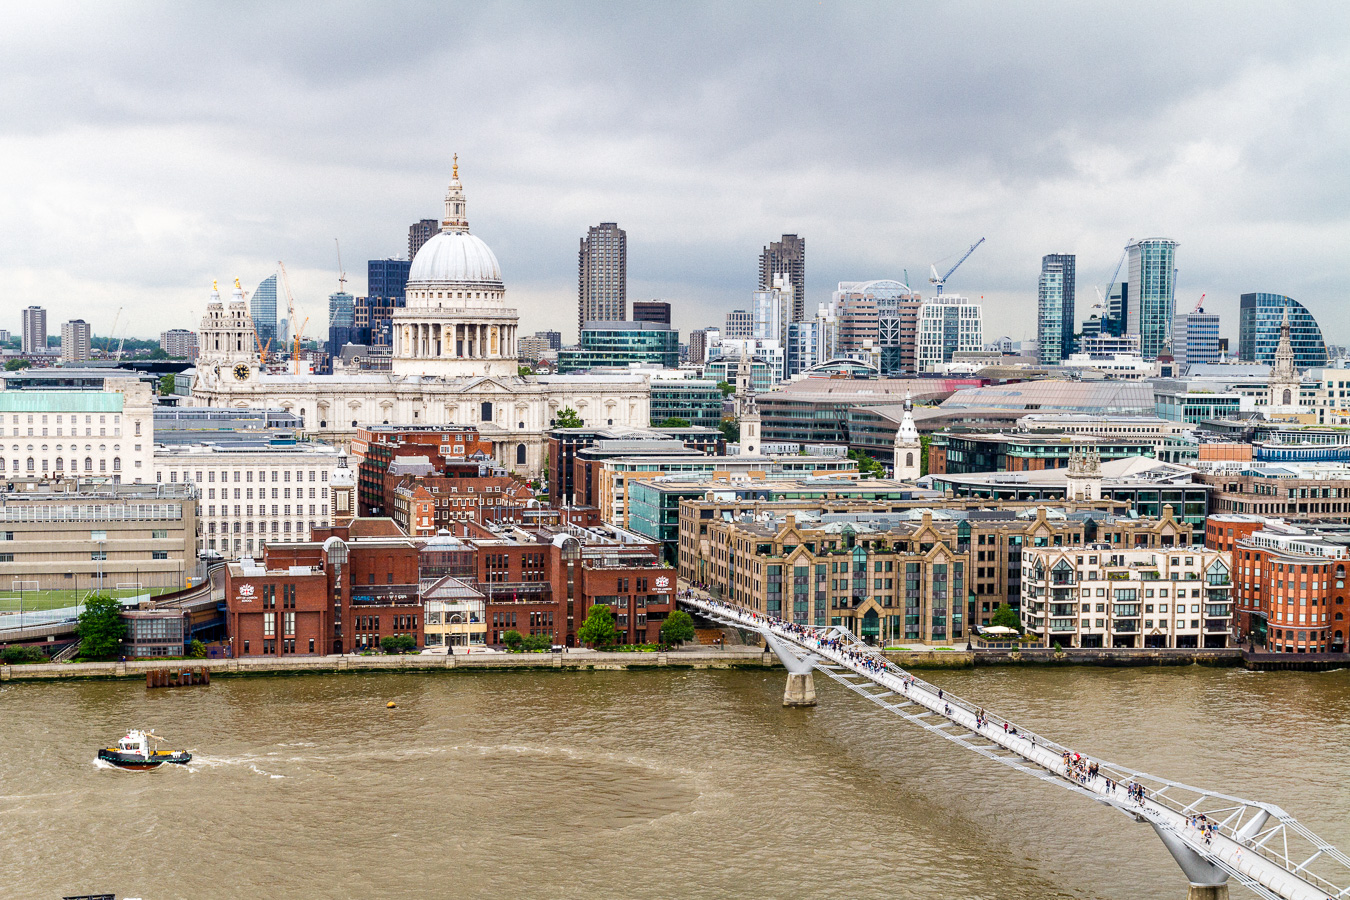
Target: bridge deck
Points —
{"points": [[1258, 844]]}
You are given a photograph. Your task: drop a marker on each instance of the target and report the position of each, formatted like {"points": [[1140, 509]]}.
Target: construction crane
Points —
{"points": [[940, 282], [342, 276], [1105, 302], [107, 345], [296, 333], [1199, 305]]}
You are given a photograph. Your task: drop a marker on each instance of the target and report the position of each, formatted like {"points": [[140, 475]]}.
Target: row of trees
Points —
{"points": [[599, 631]]}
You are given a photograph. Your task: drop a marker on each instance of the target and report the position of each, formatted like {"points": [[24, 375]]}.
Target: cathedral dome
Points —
{"points": [[455, 256]]}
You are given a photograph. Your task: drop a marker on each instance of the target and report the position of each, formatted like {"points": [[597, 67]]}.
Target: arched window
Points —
{"points": [[1287, 397], [117, 463], [909, 459], [520, 454], [486, 412], [89, 464], [1340, 616], [60, 464]]}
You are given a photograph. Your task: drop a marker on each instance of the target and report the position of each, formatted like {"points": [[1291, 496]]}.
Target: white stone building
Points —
{"points": [[948, 324], [250, 493], [90, 433], [455, 361]]}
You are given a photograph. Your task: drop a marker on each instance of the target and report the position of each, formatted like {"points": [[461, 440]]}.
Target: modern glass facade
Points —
{"points": [[698, 401], [341, 310], [1055, 307], [1152, 293], [802, 347], [1259, 319], [621, 343], [387, 277], [948, 324], [263, 307]]}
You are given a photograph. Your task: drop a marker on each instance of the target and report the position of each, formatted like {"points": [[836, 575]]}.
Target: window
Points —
{"points": [[98, 555], [159, 554]]}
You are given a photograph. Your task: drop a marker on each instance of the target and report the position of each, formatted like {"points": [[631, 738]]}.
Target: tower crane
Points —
{"points": [[1199, 305], [107, 345], [1105, 300], [940, 282], [290, 317], [342, 275]]}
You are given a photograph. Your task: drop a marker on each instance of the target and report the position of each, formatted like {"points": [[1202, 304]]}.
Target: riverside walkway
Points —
{"points": [[1212, 836]]}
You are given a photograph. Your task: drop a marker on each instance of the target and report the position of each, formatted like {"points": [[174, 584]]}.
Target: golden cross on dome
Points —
{"points": [[236, 284], [455, 172], [215, 286]]}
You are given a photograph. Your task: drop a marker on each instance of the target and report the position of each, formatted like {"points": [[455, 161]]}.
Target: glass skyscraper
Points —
{"points": [[263, 307], [1152, 293], [621, 343], [341, 310], [1054, 307], [387, 277], [1259, 320]]}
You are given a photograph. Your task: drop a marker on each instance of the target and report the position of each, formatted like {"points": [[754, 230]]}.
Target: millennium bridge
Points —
{"points": [[1214, 837]]}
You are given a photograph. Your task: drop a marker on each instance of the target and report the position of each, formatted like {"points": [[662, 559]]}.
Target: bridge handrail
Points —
{"points": [[1233, 829]]}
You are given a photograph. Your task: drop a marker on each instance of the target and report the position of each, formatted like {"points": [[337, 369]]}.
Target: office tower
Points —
{"points": [[1259, 319], [803, 347], [75, 341], [34, 330], [766, 314], [1195, 340], [602, 275], [948, 324], [788, 258], [179, 343], [263, 307], [554, 338], [418, 234], [341, 310], [1152, 293], [698, 345], [387, 277], [739, 325], [1054, 308], [651, 311], [622, 344]]}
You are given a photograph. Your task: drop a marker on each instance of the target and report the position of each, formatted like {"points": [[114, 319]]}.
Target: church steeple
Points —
{"points": [[1284, 352], [456, 209]]}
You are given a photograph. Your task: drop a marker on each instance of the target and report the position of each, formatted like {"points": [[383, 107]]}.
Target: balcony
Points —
{"points": [[1214, 626], [1125, 626]]}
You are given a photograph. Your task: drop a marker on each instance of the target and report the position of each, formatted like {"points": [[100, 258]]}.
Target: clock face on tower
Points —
{"points": [[241, 372]]}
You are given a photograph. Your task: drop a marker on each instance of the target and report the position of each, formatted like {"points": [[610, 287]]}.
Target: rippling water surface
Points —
{"points": [[661, 784]]}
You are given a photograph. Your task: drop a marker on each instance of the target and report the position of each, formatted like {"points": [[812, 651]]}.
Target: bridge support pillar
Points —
{"points": [[801, 689], [1207, 892]]}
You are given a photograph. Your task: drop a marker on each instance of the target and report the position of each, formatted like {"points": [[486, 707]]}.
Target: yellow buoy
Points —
{"points": [[391, 705]]}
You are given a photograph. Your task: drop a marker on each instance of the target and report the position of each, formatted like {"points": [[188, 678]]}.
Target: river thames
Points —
{"points": [[647, 784]]}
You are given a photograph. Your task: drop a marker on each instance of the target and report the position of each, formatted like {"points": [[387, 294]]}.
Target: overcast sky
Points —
{"points": [[147, 150]]}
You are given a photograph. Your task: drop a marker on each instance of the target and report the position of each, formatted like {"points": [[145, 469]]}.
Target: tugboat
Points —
{"points": [[134, 752]]}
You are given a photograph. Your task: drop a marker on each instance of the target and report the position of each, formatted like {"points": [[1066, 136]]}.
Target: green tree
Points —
{"points": [[100, 627], [522, 371], [19, 654], [398, 643], [14, 365], [196, 650], [727, 388], [868, 466], [924, 441], [1006, 616], [533, 643], [730, 428], [166, 385], [512, 639], [567, 418], [159, 353], [673, 422], [598, 630], [678, 627]]}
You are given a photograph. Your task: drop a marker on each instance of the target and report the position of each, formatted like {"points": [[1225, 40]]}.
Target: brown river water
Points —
{"points": [[643, 784]]}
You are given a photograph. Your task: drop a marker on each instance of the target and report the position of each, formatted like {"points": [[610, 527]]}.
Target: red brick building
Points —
{"points": [[425, 491], [545, 580], [344, 590], [375, 447], [1289, 589]]}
